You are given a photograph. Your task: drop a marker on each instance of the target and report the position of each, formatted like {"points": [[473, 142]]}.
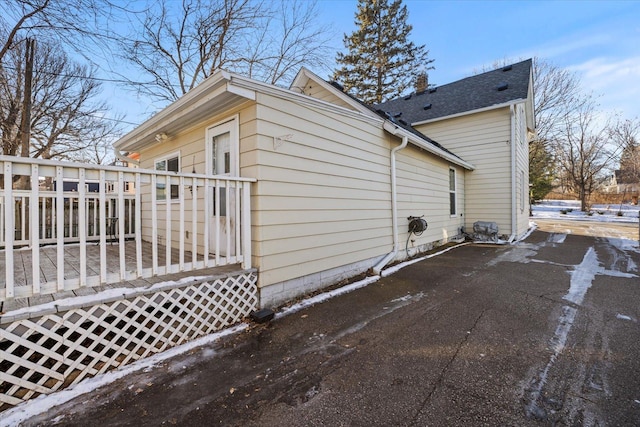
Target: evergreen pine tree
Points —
{"points": [[381, 63]]}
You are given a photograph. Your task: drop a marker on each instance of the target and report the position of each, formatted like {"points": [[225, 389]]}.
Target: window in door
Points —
{"points": [[222, 149]]}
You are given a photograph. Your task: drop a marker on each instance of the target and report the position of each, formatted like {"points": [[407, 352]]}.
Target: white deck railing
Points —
{"points": [[187, 233], [48, 216]]}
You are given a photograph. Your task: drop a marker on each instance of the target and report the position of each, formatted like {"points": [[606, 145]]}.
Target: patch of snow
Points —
{"points": [[325, 296], [582, 277], [557, 238], [599, 212], [625, 317], [624, 245], [521, 253]]}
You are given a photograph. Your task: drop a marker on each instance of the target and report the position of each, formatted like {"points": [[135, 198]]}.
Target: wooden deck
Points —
{"points": [[23, 270]]}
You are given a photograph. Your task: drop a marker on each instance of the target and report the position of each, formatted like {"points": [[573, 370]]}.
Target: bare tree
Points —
{"points": [[176, 47], [288, 39], [585, 150], [557, 95], [83, 25], [66, 119], [626, 133]]}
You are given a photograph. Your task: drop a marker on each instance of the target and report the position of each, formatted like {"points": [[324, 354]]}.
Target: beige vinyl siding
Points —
{"points": [[315, 90], [522, 170], [423, 189], [322, 199], [191, 146], [482, 139]]}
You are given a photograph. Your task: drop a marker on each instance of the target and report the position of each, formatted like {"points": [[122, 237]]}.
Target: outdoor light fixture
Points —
{"points": [[161, 137]]}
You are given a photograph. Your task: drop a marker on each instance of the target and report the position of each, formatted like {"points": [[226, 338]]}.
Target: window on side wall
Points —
{"points": [[452, 192], [171, 164]]}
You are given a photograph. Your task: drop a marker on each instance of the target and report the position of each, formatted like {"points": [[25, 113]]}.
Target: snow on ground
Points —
{"points": [[570, 209]]}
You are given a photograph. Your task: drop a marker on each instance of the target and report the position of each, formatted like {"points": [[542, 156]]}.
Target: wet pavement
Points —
{"points": [[544, 332]]}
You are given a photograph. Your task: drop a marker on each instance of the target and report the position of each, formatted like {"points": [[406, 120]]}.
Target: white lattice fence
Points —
{"points": [[57, 350]]}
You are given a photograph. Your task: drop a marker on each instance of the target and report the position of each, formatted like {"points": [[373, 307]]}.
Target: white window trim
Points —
{"points": [[454, 191], [166, 158], [231, 125]]}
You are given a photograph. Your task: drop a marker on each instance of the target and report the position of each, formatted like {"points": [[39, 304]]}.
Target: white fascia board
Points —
{"points": [[466, 113], [208, 90], [426, 145], [305, 73], [306, 100]]}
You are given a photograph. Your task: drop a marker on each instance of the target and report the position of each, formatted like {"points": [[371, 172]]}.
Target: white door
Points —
{"points": [[222, 151]]}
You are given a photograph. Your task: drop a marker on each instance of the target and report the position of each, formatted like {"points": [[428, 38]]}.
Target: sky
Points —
{"points": [[598, 40]]}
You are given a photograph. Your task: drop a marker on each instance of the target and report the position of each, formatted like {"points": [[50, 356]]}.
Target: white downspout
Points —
{"points": [[394, 207], [514, 226]]}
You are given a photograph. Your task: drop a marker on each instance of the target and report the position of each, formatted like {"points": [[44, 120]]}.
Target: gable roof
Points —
{"points": [[304, 76], [224, 90], [499, 87]]}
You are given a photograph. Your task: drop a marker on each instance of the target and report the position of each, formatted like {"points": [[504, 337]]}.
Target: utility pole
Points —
{"points": [[25, 123]]}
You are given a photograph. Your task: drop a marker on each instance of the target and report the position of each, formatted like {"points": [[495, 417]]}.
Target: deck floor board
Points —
{"points": [[48, 259]]}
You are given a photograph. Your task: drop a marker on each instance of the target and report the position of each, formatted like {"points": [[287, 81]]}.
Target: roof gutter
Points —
{"points": [[419, 142], [394, 202], [466, 113]]}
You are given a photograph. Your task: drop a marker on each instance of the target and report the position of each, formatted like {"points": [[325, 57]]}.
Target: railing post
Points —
{"points": [[207, 218], [34, 218], [103, 228], [10, 229], [238, 213], [246, 225], [121, 221], [138, 225], [194, 222], [167, 224], [216, 214], [83, 227], [154, 224], [60, 226], [181, 225]]}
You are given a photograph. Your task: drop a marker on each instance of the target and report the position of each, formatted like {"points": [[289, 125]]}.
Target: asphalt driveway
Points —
{"points": [[538, 333]]}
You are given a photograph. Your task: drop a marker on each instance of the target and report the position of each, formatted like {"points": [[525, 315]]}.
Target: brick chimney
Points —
{"points": [[422, 82]]}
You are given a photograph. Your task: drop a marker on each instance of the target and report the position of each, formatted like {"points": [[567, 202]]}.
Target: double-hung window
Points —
{"points": [[171, 164]]}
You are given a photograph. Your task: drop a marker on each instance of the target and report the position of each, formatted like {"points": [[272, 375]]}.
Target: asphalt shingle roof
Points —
{"points": [[398, 121], [495, 87]]}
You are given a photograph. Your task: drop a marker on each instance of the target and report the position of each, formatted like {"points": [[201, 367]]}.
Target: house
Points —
{"points": [[336, 181], [245, 195], [488, 120], [623, 182]]}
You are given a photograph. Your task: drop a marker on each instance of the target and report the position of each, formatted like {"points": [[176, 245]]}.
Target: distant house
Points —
{"points": [[90, 187], [623, 182], [337, 180]]}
